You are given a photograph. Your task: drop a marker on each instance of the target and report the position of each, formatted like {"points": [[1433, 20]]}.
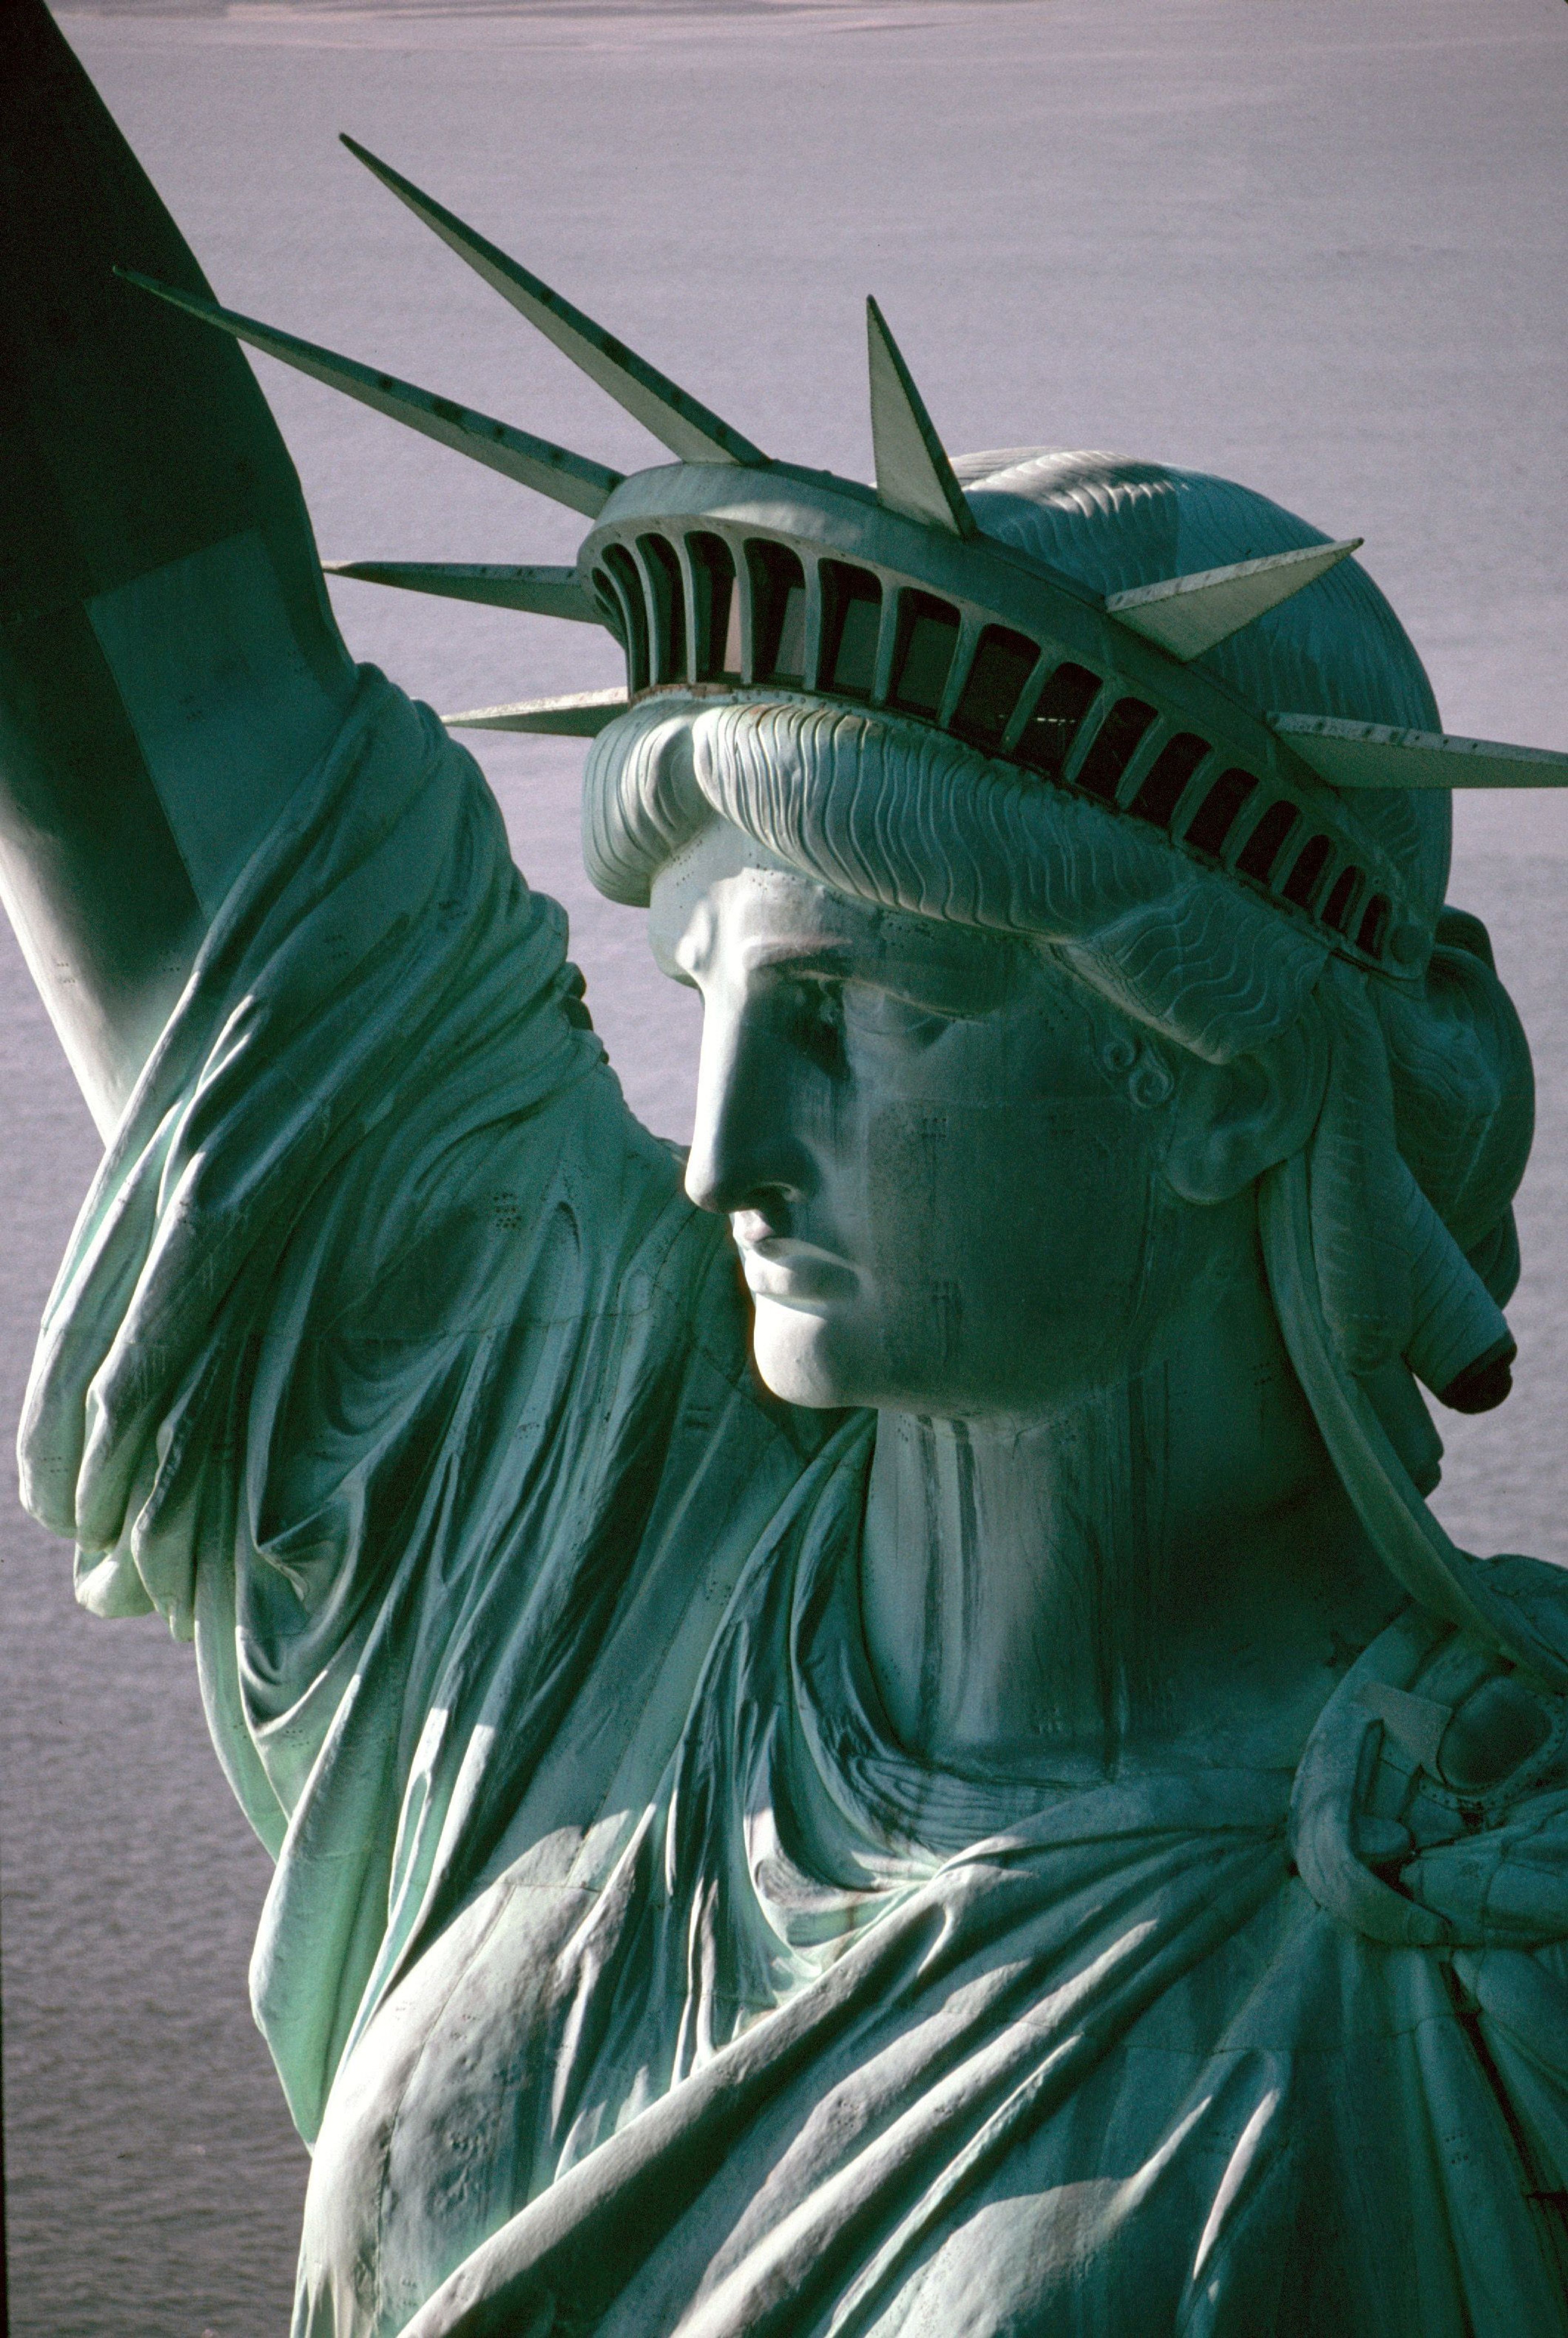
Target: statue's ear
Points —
{"points": [[1229, 1122]]}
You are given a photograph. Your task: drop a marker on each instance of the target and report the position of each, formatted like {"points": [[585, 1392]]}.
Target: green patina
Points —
{"points": [[961, 1787]]}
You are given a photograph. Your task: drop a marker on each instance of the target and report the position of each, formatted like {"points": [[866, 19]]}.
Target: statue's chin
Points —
{"points": [[804, 1357]]}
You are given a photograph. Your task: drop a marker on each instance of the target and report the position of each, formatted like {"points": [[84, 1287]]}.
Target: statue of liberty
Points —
{"points": [[867, 1732]]}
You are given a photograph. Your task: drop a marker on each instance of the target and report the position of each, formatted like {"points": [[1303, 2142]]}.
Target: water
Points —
{"points": [[1321, 248]]}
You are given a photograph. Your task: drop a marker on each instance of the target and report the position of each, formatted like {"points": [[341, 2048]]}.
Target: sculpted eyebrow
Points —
{"points": [[811, 956], [945, 987]]}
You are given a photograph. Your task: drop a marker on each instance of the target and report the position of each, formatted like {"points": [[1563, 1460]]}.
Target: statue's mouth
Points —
{"points": [[792, 1273]]}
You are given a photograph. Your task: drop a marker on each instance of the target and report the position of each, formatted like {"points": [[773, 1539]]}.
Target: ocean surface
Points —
{"points": [[1320, 246]]}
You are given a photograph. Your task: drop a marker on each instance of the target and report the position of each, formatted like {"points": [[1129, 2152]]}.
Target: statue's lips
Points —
{"points": [[793, 1274]]}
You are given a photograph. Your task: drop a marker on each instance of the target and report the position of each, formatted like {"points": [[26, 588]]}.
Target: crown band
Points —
{"points": [[712, 601], [893, 598]]}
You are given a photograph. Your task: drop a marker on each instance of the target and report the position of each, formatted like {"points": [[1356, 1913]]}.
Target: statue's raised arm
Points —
{"points": [[169, 663], [388, 1361]]}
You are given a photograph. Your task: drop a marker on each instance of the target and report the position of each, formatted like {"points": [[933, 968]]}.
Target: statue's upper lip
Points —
{"points": [[794, 1272]]}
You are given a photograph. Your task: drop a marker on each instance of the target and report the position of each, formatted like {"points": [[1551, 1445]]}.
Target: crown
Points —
{"points": [[729, 573]]}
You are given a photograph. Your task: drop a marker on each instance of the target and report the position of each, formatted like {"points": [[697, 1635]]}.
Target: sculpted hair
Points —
{"points": [[893, 812], [1428, 1103]]}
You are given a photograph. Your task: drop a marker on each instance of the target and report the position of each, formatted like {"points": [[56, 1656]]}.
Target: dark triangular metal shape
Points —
{"points": [[533, 462], [1186, 615], [583, 715], [1373, 755], [913, 474], [544, 592], [676, 419]]}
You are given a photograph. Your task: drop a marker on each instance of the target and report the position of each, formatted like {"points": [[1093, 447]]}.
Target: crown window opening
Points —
{"points": [[1047, 740], [1113, 746], [607, 601], [1263, 847], [778, 613], [852, 626], [1374, 929], [1311, 863], [1218, 813], [1002, 665], [1337, 909], [1164, 783], [716, 611], [667, 602], [719, 612], [923, 655], [628, 584]]}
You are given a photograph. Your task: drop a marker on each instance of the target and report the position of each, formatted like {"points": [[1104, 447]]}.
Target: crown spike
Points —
{"points": [[914, 475], [544, 592], [676, 419], [1373, 756], [533, 462], [1185, 615], [583, 715]]}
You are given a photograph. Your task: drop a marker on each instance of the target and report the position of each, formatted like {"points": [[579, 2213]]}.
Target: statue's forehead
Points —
{"points": [[726, 896]]}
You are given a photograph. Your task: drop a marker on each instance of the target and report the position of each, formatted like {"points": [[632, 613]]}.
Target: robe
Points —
{"points": [[623, 1973]]}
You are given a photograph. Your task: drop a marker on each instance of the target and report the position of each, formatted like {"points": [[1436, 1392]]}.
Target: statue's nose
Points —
{"points": [[746, 1145]]}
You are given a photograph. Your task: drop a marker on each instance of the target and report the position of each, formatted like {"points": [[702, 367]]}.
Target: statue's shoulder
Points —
{"points": [[1431, 1803]]}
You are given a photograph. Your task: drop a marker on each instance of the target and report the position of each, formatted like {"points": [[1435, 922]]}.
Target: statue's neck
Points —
{"points": [[1163, 1568]]}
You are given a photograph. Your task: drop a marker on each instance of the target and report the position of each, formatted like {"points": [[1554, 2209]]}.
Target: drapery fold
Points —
{"points": [[384, 1347], [625, 1973]]}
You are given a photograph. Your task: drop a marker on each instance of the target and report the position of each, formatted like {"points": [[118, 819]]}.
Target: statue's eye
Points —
{"points": [[831, 1017], [873, 1014], [817, 1020]]}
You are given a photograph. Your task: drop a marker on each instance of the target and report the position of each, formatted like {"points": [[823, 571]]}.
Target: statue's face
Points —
{"points": [[936, 1154]]}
